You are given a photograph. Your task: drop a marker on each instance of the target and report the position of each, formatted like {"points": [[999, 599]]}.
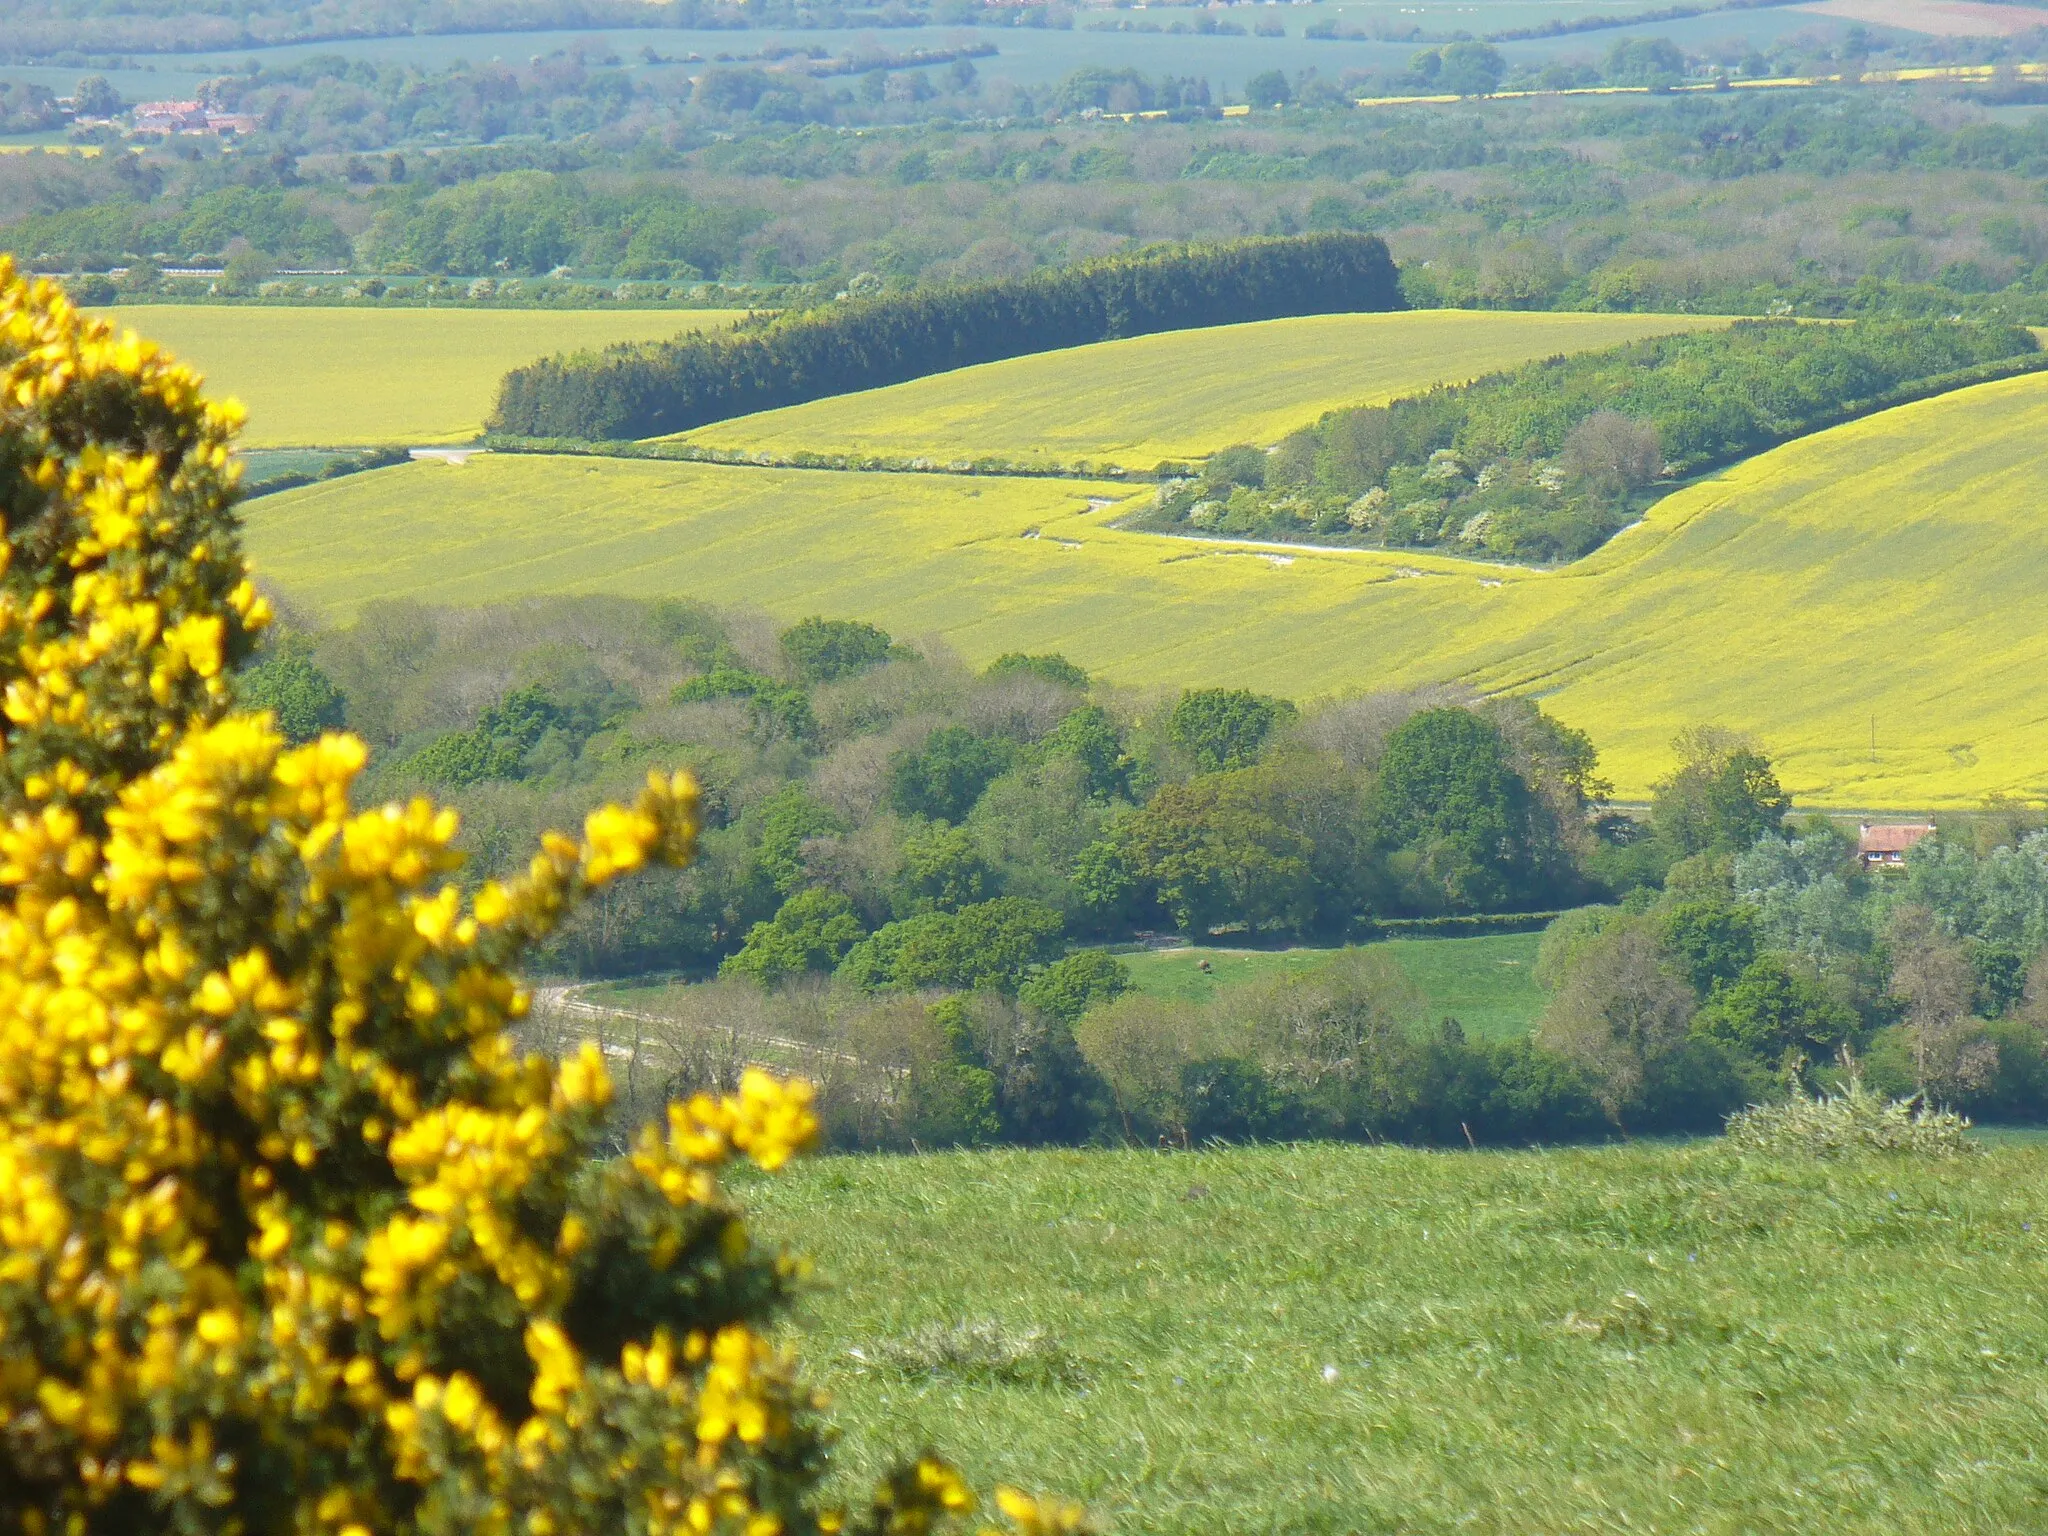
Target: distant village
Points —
{"points": [[95, 112]]}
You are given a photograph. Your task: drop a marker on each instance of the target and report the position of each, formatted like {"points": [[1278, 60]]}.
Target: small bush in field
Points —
{"points": [[1854, 1120]]}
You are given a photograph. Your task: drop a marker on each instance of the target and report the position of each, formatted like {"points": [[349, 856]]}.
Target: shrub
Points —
{"points": [[1068, 988], [1854, 1120], [295, 1240], [301, 698], [825, 650]]}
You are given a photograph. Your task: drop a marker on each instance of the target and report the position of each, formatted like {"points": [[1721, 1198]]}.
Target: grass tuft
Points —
{"points": [[983, 1352]]}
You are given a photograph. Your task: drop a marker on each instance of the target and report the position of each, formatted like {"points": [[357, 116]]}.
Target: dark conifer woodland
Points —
{"points": [[864, 343]]}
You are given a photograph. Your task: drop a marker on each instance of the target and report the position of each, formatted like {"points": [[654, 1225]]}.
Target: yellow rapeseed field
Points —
{"points": [[342, 378], [1885, 572], [1180, 395]]}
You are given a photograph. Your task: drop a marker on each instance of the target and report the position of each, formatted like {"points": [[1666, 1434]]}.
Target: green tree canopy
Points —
{"points": [[1224, 728], [1773, 1007], [1448, 791], [812, 931], [943, 778], [825, 650], [990, 946], [1211, 851], [1713, 941], [1053, 669], [1091, 738], [303, 699], [1069, 987], [1724, 796]]}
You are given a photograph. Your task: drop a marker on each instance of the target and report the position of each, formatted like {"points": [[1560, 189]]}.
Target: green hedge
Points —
{"points": [[649, 390]]}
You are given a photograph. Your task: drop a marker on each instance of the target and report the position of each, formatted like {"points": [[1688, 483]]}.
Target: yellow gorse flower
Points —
{"points": [[292, 1238]]}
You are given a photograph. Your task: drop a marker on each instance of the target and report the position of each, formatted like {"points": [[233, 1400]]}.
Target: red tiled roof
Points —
{"points": [[1892, 839]]}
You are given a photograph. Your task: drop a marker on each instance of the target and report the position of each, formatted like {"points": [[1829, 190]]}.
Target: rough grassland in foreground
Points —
{"points": [[1638, 1338], [1887, 568], [1179, 395], [343, 378]]}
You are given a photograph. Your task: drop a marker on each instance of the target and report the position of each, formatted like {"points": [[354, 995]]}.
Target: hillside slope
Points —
{"points": [[1180, 395], [1888, 569]]}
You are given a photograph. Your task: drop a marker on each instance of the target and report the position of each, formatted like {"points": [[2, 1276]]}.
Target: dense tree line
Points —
{"points": [[1586, 203], [864, 343], [911, 871], [854, 785], [1768, 961], [1547, 461]]}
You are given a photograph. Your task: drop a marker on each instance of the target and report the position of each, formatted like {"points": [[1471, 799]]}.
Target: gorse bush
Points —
{"points": [[294, 1240]]}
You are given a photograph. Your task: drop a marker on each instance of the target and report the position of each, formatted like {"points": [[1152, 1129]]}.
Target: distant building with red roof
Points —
{"points": [[1886, 847]]}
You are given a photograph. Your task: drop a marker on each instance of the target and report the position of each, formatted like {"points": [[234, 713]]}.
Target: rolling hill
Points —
{"points": [[1880, 579], [345, 378], [1178, 395]]}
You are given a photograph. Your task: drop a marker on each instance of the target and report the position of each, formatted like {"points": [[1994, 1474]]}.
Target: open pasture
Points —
{"points": [[1323, 1339], [1487, 982], [1177, 395], [342, 378], [1865, 601]]}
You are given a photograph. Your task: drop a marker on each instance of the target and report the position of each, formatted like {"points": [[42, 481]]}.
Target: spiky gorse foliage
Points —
{"points": [[291, 1237]]}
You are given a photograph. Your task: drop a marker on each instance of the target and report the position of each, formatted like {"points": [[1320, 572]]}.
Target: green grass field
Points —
{"points": [[1180, 395], [1281, 1340], [1883, 574], [339, 378], [1487, 983]]}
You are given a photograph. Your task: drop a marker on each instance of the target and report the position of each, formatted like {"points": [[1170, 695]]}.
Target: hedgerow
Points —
{"points": [[633, 392], [292, 1237]]}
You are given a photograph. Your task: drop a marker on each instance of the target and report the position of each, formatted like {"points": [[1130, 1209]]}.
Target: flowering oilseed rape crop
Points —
{"points": [[1176, 394], [1861, 601], [291, 1237], [321, 377]]}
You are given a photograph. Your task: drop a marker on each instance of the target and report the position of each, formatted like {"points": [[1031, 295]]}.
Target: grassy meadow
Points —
{"points": [[1180, 395], [343, 378], [1886, 570], [1488, 983], [1311, 1339]]}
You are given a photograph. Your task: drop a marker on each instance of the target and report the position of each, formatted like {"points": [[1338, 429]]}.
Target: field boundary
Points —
{"points": [[842, 463]]}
